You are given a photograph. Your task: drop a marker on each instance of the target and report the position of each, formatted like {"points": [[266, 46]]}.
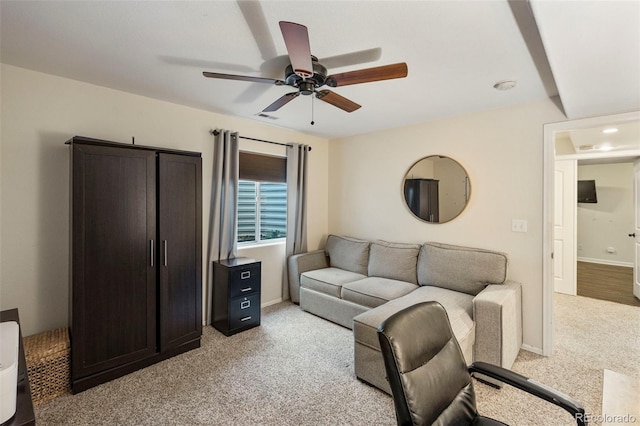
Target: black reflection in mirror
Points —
{"points": [[436, 189]]}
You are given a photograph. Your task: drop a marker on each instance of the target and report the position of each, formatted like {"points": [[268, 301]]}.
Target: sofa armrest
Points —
{"points": [[497, 313], [300, 263]]}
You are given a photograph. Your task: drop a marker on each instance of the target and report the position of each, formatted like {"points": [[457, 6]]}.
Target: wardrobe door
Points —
{"points": [[180, 219], [113, 318], [430, 189]]}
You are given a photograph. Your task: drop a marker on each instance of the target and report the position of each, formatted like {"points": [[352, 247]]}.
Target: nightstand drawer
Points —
{"points": [[244, 311]]}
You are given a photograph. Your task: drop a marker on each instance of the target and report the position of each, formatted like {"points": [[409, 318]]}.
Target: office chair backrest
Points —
{"points": [[425, 368]]}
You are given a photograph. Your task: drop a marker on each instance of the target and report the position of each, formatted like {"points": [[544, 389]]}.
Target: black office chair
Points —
{"points": [[429, 378]]}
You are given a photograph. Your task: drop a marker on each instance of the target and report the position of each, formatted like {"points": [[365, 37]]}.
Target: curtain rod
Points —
{"points": [[217, 132]]}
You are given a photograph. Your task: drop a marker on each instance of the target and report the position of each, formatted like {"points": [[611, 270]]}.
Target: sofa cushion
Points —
{"points": [[394, 260], [374, 291], [459, 307], [348, 253], [328, 280], [463, 269]]}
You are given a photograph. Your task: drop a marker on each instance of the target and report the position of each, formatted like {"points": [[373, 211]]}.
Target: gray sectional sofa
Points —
{"points": [[358, 284]]}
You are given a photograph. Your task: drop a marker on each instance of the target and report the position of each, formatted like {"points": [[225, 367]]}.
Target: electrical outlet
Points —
{"points": [[518, 225]]}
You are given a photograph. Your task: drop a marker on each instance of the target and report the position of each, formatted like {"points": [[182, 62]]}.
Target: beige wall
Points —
{"points": [[608, 222], [39, 113], [502, 151], [355, 184]]}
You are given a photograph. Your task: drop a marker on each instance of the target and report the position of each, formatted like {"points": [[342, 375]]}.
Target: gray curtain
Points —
{"points": [[223, 215], [296, 209]]}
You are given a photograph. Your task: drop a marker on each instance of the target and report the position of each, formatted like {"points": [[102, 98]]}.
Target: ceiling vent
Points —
{"points": [[263, 115]]}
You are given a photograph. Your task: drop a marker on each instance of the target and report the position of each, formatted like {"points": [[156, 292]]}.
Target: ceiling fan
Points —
{"points": [[308, 75]]}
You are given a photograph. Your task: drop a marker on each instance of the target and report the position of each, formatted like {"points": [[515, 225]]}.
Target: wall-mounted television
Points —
{"points": [[587, 191]]}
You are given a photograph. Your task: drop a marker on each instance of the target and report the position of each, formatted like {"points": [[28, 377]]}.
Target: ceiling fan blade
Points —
{"points": [[282, 101], [243, 78], [337, 100], [384, 72], [296, 38]]}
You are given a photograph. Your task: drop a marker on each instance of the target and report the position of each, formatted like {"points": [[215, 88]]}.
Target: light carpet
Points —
{"points": [[297, 369]]}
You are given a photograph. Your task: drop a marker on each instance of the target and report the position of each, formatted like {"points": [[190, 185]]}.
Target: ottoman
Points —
{"points": [[368, 362]]}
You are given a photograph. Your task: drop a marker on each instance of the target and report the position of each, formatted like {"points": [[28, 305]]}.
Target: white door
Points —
{"points": [[636, 215], [564, 229]]}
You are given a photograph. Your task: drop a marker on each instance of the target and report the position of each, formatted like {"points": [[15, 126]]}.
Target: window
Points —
{"points": [[262, 197], [262, 211]]}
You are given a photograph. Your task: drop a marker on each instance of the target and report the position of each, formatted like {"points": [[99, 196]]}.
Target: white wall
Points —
{"points": [[502, 151], [39, 113], [607, 223]]}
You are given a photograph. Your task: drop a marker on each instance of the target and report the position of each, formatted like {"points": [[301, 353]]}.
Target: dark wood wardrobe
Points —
{"points": [[136, 257]]}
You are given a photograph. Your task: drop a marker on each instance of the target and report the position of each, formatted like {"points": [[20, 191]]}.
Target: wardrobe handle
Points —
{"points": [[164, 242], [152, 254]]}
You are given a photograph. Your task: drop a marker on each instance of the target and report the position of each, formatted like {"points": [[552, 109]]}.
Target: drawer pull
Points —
{"points": [[244, 275], [245, 319], [244, 290], [246, 304]]}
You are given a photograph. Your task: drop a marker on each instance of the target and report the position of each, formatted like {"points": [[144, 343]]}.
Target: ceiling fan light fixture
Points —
{"points": [[505, 85], [306, 87]]}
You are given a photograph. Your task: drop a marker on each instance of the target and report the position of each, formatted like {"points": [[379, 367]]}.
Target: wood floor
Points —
{"points": [[606, 282]]}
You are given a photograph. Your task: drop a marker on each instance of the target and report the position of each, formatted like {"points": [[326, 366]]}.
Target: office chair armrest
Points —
{"points": [[532, 387]]}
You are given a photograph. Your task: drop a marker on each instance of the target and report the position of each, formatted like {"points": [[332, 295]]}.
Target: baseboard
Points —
{"points": [[605, 262], [271, 302], [533, 349]]}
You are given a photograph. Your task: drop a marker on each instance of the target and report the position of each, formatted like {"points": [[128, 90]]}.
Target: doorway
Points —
{"points": [[594, 252], [550, 245]]}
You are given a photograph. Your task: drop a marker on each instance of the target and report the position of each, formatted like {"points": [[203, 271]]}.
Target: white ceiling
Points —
{"points": [[626, 137], [455, 51], [594, 51], [613, 141]]}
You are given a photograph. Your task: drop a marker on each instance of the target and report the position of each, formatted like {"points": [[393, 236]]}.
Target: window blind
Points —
{"points": [[262, 168]]}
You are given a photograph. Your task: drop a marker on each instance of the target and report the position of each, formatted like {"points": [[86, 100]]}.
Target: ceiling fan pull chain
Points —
{"points": [[312, 103]]}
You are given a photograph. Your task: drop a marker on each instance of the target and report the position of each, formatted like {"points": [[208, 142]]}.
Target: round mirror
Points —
{"points": [[436, 189]]}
